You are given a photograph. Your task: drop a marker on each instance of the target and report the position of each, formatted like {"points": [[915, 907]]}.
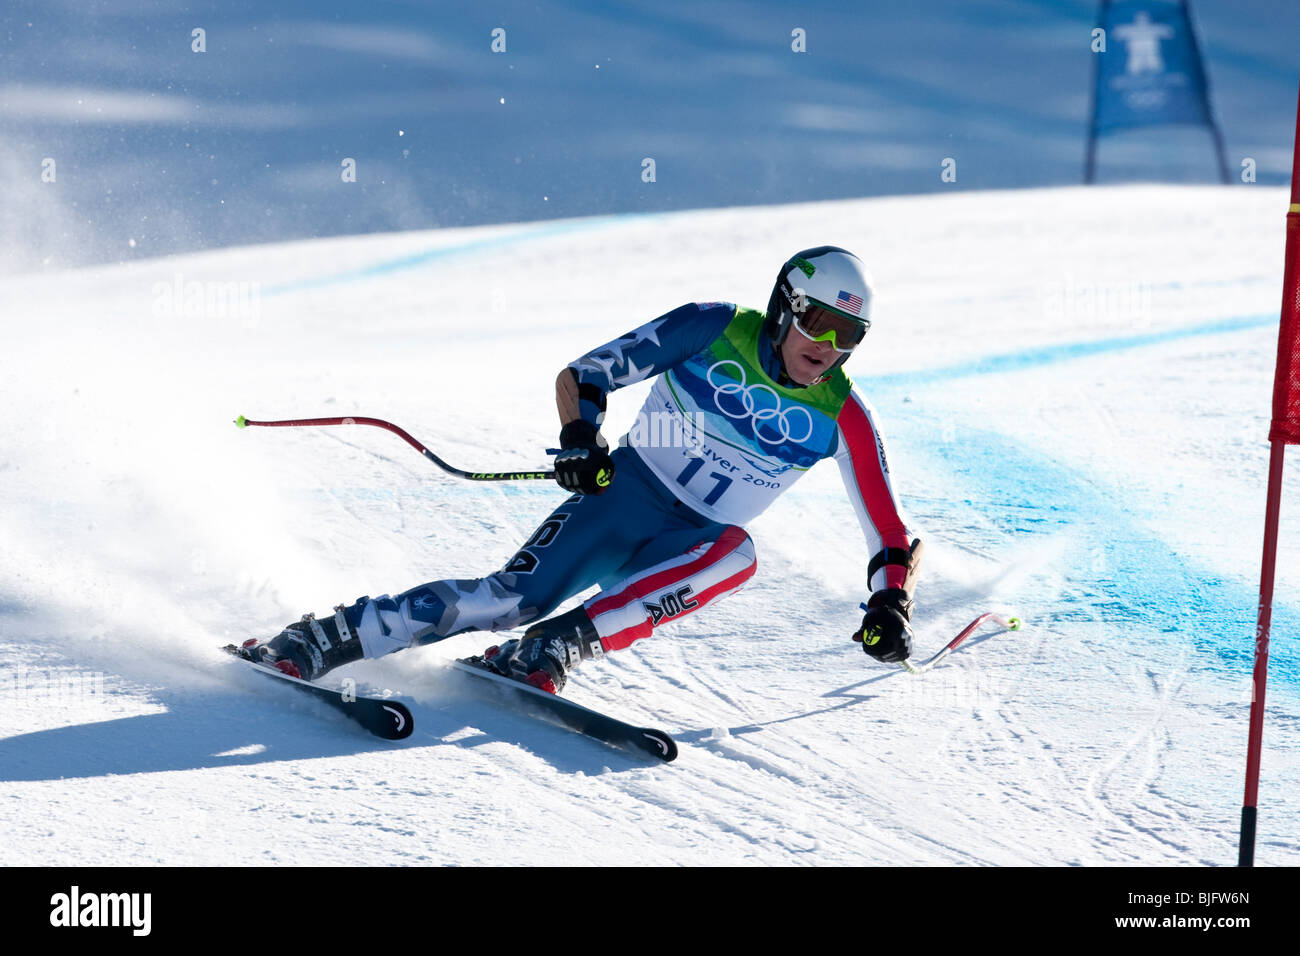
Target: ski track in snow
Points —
{"points": [[1101, 474]]}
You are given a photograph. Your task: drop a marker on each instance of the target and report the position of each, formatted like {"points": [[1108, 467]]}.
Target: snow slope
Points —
{"points": [[1075, 387]]}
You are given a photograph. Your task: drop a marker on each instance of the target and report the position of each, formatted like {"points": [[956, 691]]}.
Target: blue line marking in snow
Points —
{"points": [[1126, 575], [1047, 354], [1123, 573], [417, 259]]}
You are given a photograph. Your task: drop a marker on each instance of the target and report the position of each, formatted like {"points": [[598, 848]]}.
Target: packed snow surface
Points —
{"points": [[1074, 385]]}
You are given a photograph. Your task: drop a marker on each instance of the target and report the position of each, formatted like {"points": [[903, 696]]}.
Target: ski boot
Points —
{"points": [[548, 650], [310, 648]]}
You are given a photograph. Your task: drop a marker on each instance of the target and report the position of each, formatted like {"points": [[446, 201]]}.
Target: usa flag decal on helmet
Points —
{"points": [[849, 302]]}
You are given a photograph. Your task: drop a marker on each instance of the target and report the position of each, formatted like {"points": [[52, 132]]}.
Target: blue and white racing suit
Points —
{"points": [[717, 441]]}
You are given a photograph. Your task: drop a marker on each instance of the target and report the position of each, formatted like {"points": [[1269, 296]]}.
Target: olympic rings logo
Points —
{"points": [[753, 404]]}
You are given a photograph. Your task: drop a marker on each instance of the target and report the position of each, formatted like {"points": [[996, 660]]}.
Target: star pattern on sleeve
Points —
{"points": [[647, 350], [648, 333], [633, 374], [602, 362]]}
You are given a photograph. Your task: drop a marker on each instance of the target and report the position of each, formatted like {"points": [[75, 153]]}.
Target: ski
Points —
{"points": [[645, 741], [389, 719]]}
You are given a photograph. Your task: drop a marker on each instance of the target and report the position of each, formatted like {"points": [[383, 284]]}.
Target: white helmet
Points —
{"points": [[827, 277]]}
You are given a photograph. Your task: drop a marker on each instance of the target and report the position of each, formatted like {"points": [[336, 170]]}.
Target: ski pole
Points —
{"points": [[1010, 623], [242, 422]]}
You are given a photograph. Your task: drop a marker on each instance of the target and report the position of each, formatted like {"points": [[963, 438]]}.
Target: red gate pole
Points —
{"points": [[1284, 430]]}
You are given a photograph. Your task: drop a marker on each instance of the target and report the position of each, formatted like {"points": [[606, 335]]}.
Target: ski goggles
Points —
{"points": [[821, 324]]}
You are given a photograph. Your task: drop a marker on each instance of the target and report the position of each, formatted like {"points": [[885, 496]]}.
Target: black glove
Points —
{"points": [[583, 464], [886, 632]]}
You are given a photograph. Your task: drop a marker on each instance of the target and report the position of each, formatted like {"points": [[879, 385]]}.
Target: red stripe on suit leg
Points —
{"points": [[731, 538], [621, 639]]}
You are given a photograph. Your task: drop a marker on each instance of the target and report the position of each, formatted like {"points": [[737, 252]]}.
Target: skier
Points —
{"points": [[743, 403]]}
